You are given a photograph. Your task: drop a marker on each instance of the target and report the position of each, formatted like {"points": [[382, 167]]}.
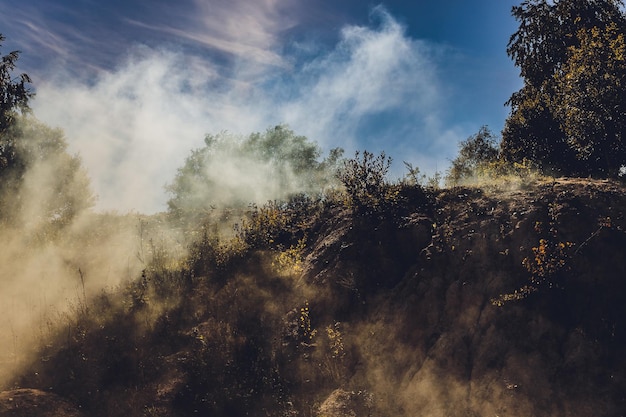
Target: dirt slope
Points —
{"points": [[30, 403], [490, 303], [472, 302]]}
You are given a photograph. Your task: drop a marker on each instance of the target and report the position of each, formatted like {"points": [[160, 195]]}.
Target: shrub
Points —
{"points": [[290, 261], [364, 178]]}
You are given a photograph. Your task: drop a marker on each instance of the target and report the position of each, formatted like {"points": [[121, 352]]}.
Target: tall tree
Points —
{"points": [[590, 102], [14, 97], [234, 170], [14, 93], [44, 185], [40, 183], [544, 48]]}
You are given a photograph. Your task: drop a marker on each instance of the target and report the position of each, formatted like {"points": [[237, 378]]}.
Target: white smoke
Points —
{"points": [[133, 126]]}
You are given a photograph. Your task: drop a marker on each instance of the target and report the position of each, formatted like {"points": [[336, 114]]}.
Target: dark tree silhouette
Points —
{"points": [[566, 117], [14, 93]]}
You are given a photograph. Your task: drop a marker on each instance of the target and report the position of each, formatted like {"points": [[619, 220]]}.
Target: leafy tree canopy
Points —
{"points": [[40, 183], [590, 103], [232, 170], [475, 152], [14, 94], [568, 116], [44, 183]]}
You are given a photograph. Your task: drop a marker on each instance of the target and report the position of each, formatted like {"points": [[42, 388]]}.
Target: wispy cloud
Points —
{"points": [[246, 30], [26, 29], [53, 35], [134, 125], [86, 36]]}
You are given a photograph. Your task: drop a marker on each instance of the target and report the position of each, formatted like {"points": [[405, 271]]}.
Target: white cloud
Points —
{"points": [[371, 70], [133, 126], [248, 30]]}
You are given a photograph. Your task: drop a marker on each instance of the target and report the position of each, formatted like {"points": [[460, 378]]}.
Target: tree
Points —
{"points": [[234, 171], [590, 103], [475, 153], [14, 94], [532, 133], [546, 31], [40, 183], [545, 47], [44, 185]]}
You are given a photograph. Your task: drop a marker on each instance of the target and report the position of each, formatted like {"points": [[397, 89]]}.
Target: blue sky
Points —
{"points": [[136, 84]]}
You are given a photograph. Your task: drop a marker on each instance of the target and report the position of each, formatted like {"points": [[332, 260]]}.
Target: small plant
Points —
{"points": [[307, 332], [264, 224], [549, 259], [413, 176], [334, 355], [138, 293], [335, 340], [516, 295], [290, 261], [550, 255], [434, 182]]}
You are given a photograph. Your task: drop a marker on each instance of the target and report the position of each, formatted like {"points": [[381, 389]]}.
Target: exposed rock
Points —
{"points": [[342, 403], [32, 402]]}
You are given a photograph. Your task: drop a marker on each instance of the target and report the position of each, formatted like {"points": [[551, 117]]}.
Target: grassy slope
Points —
{"points": [[398, 309]]}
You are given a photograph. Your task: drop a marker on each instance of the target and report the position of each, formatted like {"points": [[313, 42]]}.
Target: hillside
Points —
{"points": [[455, 302]]}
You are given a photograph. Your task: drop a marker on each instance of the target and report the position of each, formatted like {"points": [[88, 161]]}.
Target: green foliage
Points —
{"points": [[278, 225], [39, 181], [547, 29], [14, 96], [212, 254], [43, 183], [531, 133], [413, 176], [235, 171], [567, 116], [591, 100], [266, 226], [290, 261], [476, 153]]}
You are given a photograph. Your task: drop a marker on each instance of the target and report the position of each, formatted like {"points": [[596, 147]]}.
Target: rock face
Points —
{"points": [[342, 403], [32, 402], [515, 309]]}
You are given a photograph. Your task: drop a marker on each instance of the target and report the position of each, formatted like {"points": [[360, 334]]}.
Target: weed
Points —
{"points": [[291, 260], [334, 354], [516, 295], [549, 258], [307, 332]]}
